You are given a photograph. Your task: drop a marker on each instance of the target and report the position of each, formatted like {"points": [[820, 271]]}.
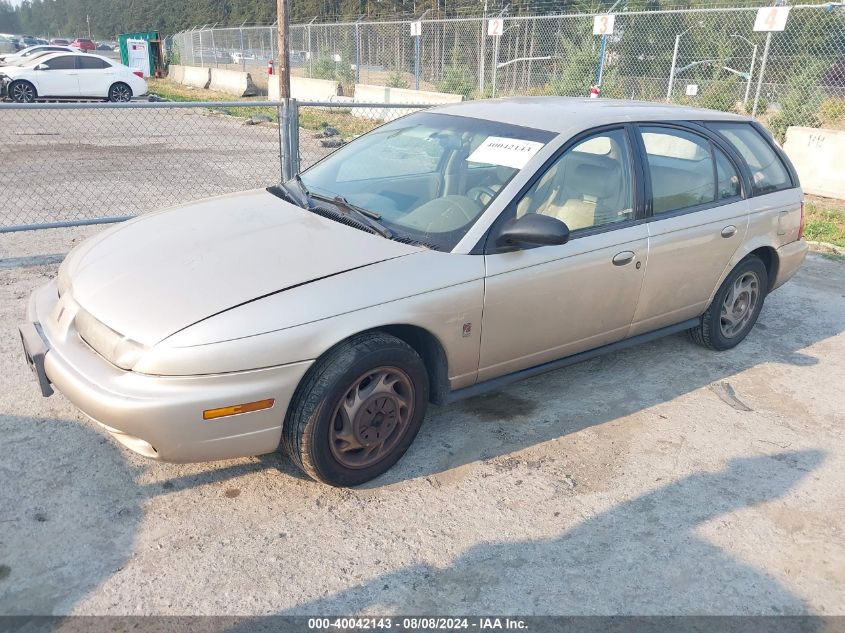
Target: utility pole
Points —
{"points": [[88, 20], [284, 55]]}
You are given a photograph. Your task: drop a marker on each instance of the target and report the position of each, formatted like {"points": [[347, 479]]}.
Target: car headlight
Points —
{"points": [[119, 350], [63, 281], [128, 353]]}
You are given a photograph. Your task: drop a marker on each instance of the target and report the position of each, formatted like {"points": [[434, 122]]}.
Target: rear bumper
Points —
{"points": [[790, 258], [161, 416]]}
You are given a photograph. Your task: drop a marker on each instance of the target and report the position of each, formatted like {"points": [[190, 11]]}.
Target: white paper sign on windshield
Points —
{"points": [[508, 152]]}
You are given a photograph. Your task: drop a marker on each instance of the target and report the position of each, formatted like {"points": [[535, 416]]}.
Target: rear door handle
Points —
{"points": [[729, 231], [625, 257]]}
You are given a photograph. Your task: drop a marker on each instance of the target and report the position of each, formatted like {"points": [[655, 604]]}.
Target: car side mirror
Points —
{"points": [[532, 229], [42, 67]]}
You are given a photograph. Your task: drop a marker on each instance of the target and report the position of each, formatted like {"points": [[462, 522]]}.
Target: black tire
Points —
{"points": [[21, 91], [714, 330], [120, 93], [315, 417]]}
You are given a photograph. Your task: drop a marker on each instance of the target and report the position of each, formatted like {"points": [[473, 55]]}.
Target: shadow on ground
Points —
{"points": [[586, 570]]}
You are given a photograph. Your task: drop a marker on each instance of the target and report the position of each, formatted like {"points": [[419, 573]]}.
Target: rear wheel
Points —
{"points": [[357, 410], [120, 93], [735, 307], [22, 91]]}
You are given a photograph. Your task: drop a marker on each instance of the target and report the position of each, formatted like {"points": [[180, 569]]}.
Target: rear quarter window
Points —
{"points": [[768, 173]]}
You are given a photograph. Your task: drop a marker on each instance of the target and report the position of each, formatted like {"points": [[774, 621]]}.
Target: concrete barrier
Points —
{"points": [[196, 77], [176, 73], [232, 81], [305, 89], [365, 93], [816, 154]]}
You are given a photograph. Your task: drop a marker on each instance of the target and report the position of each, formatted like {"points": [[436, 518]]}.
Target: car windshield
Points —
{"points": [[426, 177], [34, 59]]}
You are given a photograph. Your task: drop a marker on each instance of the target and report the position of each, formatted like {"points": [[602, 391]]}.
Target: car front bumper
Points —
{"points": [[160, 417]]}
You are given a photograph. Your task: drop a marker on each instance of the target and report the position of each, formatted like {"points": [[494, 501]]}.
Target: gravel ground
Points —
{"points": [[662, 479], [118, 162]]}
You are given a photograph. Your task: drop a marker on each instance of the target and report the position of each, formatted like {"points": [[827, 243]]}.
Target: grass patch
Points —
{"points": [[339, 118], [825, 221], [309, 118], [170, 90]]}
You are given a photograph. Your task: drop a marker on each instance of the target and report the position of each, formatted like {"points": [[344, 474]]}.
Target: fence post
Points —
{"points": [[417, 58], [672, 70], [243, 56], [214, 48], [284, 139], [293, 126], [483, 52], [358, 50], [495, 64], [762, 73]]}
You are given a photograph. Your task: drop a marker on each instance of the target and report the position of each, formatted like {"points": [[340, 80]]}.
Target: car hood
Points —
{"points": [[153, 276], [12, 70]]}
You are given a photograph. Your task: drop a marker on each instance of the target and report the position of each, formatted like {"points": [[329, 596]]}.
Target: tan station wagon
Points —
{"points": [[441, 255]]}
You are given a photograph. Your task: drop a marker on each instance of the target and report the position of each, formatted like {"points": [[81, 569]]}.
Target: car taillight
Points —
{"points": [[138, 73], [801, 226]]}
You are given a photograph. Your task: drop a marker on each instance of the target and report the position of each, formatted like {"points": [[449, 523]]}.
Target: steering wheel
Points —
{"points": [[475, 193]]}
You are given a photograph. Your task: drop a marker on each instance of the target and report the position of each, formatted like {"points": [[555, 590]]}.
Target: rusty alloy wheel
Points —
{"points": [[372, 417]]}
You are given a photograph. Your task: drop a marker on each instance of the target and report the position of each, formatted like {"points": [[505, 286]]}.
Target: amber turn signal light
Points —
{"points": [[248, 407]]}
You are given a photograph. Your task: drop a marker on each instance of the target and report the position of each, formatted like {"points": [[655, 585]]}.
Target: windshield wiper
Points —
{"points": [[365, 216], [306, 195], [283, 191]]}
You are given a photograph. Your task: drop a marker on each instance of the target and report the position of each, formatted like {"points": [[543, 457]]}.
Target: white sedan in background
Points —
{"points": [[22, 56], [81, 75]]}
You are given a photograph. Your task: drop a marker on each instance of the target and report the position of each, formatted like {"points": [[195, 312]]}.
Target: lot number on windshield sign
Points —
{"points": [[508, 152]]}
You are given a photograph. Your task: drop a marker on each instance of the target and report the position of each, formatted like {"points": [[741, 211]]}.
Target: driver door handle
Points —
{"points": [[729, 231], [625, 257]]}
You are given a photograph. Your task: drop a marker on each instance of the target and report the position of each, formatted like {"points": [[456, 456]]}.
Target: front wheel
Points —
{"points": [[120, 93], [357, 410], [22, 92], [735, 307]]}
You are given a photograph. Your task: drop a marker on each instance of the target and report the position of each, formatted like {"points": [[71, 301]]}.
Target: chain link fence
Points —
{"points": [[68, 164], [75, 162], [717, 62]]}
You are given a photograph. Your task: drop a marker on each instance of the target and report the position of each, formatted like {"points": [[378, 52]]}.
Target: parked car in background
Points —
{"points": [[104, 46], [28, 40], [60, 41], [83, 44], [246, 57], [77, 75], [32, 51], [442, 255], [7, 45]]}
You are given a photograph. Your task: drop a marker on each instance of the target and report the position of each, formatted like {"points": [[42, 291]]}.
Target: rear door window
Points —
{"points": [[91, 63], [768, 173], [727, 177], [681, 167]]}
